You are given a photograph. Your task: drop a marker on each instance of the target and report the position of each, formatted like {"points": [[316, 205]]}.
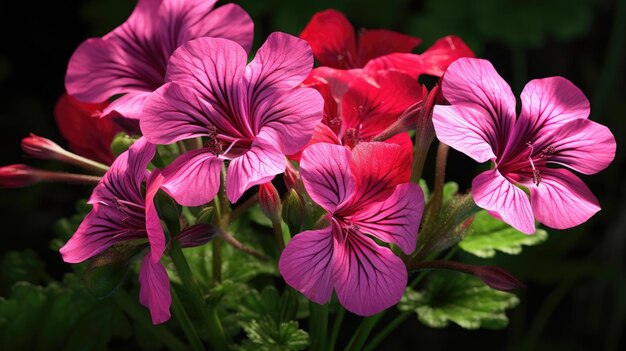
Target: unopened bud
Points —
{"points": [[206, 215], [293, 211], [269, 200], [121, 142], [498, 278], [38, 147], [17, 176], [196, 235], [290, 176]]}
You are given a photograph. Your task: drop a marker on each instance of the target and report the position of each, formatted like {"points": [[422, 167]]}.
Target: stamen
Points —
{"points": [[351, 137], [547, 151], [213, 143], [536, 173]]}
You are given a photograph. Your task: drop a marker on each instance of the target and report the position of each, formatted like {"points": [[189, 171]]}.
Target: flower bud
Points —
{"points": [[269, 200], [290, 176], [196, 235], [206, 215], [121, 142], [498, 278], [293, 211], [38, 147], [17, 176]]}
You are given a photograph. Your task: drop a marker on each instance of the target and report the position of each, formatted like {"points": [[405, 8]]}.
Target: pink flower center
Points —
{"points": [[527, 164], [351, 137]]}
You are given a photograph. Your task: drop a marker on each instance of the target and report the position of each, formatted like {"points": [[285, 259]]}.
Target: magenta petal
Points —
{"points": [[154, 229], [326, 174], [258, 165], [94, 235], [368, 278], [549, 103], [193, 179], [562, 200], [174, 112], [129, 105], [154, 289], [474, 83], [293, 118], [396, 219], [493, 192], [467, 130], [123, 180], [229, 21], [305, 264], [583, 145], [282, 62]]}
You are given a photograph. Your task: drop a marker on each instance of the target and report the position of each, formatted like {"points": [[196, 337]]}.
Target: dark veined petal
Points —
{"points": [[154, 289], [306, 264], [326, 174], [562, 200], [396, 219], [193, 179], [495, 193], [368, 278]]}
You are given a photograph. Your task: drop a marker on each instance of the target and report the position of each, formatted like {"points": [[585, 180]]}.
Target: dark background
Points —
{"points": [[576, 296]]}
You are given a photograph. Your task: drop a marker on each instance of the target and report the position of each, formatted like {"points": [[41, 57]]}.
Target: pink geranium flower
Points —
{"points": [[367, 194], [131, 60], [121, 213], [369, 106], [344, 56], [250, 115], [552, 129]]}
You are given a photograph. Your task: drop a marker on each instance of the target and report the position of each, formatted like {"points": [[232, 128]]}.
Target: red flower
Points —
{"points": [[334, 44], [87, 135]]}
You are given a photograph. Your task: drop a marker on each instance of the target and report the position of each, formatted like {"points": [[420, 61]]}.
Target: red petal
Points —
{"points": [[332, 39], [87, 135]]}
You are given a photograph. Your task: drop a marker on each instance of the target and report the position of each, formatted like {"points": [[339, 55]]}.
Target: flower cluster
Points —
{"points": [[177, 72]]}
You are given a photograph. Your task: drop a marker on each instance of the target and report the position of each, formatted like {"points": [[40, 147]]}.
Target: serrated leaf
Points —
{"points": [[459, 298], [266, 335], [487, 235], [21, 266], [58, 316]]}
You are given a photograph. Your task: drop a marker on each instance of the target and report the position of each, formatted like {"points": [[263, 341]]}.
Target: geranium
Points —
{"points": [[132, 59], [251, 115], [121, 212], [552, 129], [369, 106], [343, 57], [366, 193]]}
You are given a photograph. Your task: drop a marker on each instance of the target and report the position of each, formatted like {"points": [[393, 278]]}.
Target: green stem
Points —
{"points": [[387, 330], [318, 320], [139, 315], [277, 228], [216, 333], [186, 324], [336, 327], [363, 331], [404, 315]]}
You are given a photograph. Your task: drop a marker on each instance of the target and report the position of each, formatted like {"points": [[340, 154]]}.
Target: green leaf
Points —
{"points": [[58, 317], [266, 335], [459, 298], [487, 235], [21, 266]]}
